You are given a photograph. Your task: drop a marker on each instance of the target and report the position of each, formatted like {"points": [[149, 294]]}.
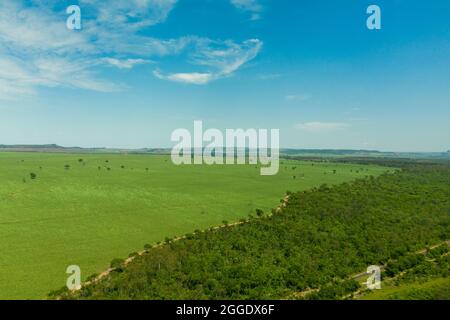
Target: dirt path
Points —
{"points": [[356, 276], [143, 252]]}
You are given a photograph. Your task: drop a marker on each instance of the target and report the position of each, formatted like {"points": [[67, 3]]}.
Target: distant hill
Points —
{"points": [[306, 153], [29, 146], [58, 148]]}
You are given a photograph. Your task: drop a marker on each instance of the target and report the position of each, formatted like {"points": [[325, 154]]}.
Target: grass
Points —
{"points": [[427, 289], [87, 214]]}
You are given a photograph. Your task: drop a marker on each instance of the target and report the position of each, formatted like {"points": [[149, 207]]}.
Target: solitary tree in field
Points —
{"points": [[67, 167], [33, 176]]}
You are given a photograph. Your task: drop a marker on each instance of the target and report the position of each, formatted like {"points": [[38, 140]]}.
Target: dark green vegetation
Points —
{"points": [[319, 240], [419, 276], [62, 209]]}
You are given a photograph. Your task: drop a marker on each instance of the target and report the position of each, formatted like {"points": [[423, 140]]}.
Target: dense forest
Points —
{"points": [[313, 244]]}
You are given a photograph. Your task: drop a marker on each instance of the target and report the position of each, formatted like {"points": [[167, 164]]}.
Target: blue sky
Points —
{"points": [[137, 70]]}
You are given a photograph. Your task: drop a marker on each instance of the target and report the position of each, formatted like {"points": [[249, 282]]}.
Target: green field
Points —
{"points": [[87, 215]]}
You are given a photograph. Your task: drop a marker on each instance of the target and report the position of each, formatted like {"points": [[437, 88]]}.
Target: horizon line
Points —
{"points": [[56, 146]]}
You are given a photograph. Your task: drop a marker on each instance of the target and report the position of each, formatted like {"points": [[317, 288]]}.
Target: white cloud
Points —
{"points": [[130, 14], [321, 127], [126, 63], [10, 91], [251, 6], [36, 48], [32, 30], [68, 73], [191, 78], [221, 59]]}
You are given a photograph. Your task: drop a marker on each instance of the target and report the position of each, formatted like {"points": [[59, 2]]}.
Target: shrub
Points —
{"points": [[92, 277], [117, 263], [189, 236], [33, 176]]}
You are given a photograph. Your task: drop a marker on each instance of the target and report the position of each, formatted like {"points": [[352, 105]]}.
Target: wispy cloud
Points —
{"points": [[321, 127], [36, 48], [191, 78], [221, 59], [129, 14], [251, 6], [125, 63]]}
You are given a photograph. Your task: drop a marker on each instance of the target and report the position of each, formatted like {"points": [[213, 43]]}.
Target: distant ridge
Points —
{"points": [[29, 146], [58, 148], [287, 152]]}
